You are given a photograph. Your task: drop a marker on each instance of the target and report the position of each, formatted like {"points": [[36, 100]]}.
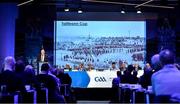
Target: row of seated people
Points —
{"points": [[163, 76], [15, 77], [132, 75]]}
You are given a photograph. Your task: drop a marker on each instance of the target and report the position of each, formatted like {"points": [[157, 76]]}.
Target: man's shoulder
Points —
{"points": [[43, 75], [46, 77], [164, 71], [154, 75]]}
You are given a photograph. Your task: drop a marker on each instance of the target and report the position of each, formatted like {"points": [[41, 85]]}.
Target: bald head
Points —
{"points": [[167, 57], [155, 61]]}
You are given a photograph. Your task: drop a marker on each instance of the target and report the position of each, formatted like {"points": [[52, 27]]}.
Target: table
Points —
{"points": [[91, 79]]}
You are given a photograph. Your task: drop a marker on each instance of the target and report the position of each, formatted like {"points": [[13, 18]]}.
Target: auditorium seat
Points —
{"points": [[42, 95], [162, 99], [65, 89], [6, 97], [114, 95], [9, 98], [29, 97]]}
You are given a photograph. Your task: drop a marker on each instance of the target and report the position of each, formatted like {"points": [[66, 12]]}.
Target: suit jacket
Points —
{"points": [[145, 80], [116, 82], [45, 58]]}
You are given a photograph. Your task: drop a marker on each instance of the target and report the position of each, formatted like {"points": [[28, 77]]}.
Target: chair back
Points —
{"points": [[42, 95]]}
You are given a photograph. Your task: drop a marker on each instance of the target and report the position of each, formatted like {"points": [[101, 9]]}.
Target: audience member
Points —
{"points": [[51, 72], [155, 63], [19, 70], [30, 76], [50, 83], [166, 80], [64, 77], [9, 78], [145, 80], [30, 70], [65, 83], [19, 67]]}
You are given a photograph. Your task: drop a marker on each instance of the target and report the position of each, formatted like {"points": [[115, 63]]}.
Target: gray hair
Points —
{"points": [[9, 62]]}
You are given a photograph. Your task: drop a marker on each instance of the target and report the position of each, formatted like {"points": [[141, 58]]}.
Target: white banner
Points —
{"points": [[101, 79]]}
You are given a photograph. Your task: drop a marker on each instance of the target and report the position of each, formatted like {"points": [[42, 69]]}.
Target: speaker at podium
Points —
{"points": [[42, 58]]}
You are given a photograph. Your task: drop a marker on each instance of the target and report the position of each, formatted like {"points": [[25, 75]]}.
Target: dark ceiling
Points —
{"points": [[102, 5], [164, 2]]}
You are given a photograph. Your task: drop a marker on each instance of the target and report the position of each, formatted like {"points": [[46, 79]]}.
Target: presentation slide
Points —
{"points": [[87, 49]]}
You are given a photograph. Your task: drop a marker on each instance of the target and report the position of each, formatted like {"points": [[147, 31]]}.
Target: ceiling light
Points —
{"points": [[80, 11], [139, 11], [80, 8], [66, 9], [122, 11]]}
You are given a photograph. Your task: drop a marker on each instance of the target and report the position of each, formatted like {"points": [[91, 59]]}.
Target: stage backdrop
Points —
{"points": [[98, 44]]}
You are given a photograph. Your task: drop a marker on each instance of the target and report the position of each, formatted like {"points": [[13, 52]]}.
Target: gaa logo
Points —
{"points": [[100, 79]]}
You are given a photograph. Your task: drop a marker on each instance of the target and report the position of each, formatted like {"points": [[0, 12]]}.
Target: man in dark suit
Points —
{"points": [[43, 57], [115, 86], [116, 81], [145, 80]]}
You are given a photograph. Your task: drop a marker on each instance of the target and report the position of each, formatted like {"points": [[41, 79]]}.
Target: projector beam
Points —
{"points": [[25, 2]]}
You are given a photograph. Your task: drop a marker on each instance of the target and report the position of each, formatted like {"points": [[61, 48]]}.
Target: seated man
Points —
{"points": [[145, 80], [89, 67], [81, 67], [166, 80], [122, 68], [155, 63], [9, 78], [113, 66], [50, 83], [130, 75]]}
